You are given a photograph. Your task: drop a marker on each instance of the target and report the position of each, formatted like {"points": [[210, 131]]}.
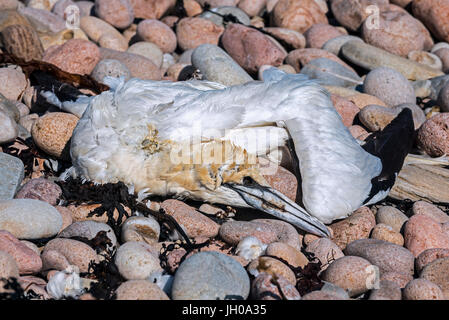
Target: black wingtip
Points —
{"points": [[391, 146]]}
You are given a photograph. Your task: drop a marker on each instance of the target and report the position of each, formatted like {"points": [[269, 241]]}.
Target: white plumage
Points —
{"points": [[107, 142]]}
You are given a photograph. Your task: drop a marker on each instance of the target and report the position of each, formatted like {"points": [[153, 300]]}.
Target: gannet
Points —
{"points": [[198, 139]]}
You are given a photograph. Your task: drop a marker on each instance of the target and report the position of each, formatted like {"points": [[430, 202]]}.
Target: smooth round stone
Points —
{"points": [[325, 251], [388, 290], [235, 231], [110, 68], [149, 50], [60, 253], [438, 46], [334, 45], [139, 66], [271, 266], [42, 20], [331, 73], [151, 9], [29, 219], [443, 55], [9, 5], [358, 132], [8, 267], [356, 226], [433, 136], [430, 210], [159, 33], [252, 7], [371, 57], [398, 33], [95, 28], [222, 10], [218, 3], [298, 15], [10, 130], [145, 229], [433, 13], [27, 260], [12, 82], [422, 232], [137, 260], [22, 41], [422, 289], [263, 287], [429, 255], [186, 57], [75, 56], [362, 100], [350, 273], [436, 272], [66, 215], [210, 276], [285, 232], [352, 13], [140, 290], [443, 99], [391, 216], [301, 57], [427, 58], [400, 279], [386, 233], [194, 223], [192, 7], [89, 230], [118, 13], [11, 108], [52, 133], [40, 189], [318, 34], [387, 256], [61, 5], [12, 172], [331, 288], [390, 86], [193, 32], [217, 66]]}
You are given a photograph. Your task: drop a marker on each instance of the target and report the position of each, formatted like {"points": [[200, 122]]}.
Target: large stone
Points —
{"points": [[11, 175]]}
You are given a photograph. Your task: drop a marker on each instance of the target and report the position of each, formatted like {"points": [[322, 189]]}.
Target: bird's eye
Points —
{"points": [[248, 181]]}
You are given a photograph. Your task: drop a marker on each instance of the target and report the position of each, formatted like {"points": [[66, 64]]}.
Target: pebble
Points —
{"points": [[66, 215], [443, 99], [285, 232], [350, 273], [334, 45], [110, 68], [433, 136], [11, 17], [291, 255], [217, 66], [89, 230], [95, 28], [234, 231], [40, 189], [27, 260], [443, 55], [194, 223], [271, 266], [42, 20], [29, 219], [75, 56], [429, 255], [401, 279], [22, 41], [386, 233], [422, 289], [388, 290], [139, 66], [192, 7], [137, 260], [61, 6], [362, 100], [81, 213], [430, 210], [210, 276], [9, 5], [392, 217], [8, 267], [321, 295], [436, 272], [283, 181], [358, 132], [193, 32], [251, 48], [325, 251], [318, 34], [218, 3], [10, 130], [387, 256], [376, 118], [398, 33], [145, 229], [298, 15], [422, 232], [252, 7], [12, 173], [118, 13], [301, 57], [151, 9], [370, 57], [265, 287], [390, 86], [157, 32], [12, 82], [427, 58], [149, 50], [11, 108], [357, 226], [140, 290], [52, 133], [433, 14], [351, 14], [331, 73], [223, 10], [291, 37]]}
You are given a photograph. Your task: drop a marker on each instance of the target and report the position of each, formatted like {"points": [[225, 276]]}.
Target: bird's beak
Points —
{"points": [[275, 203]]}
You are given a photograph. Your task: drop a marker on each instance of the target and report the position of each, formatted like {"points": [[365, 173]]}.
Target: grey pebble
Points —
{"points": [[238, 13], [334, 45], [111, 68], [88, 230], [210, 276], [388, 290], [391, 216], [43, 20], [11, 175]]}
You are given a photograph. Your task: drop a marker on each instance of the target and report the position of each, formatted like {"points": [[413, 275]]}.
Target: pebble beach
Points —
{"points": [[78, 240]]}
